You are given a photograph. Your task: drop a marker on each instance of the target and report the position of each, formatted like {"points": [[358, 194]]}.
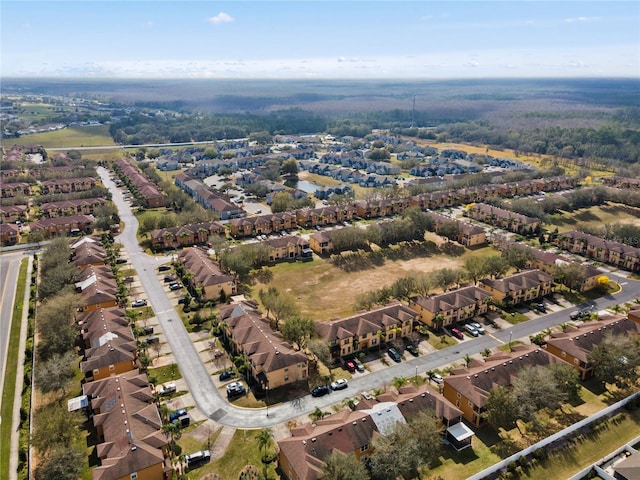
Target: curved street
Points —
{"points": [[207, 397]]}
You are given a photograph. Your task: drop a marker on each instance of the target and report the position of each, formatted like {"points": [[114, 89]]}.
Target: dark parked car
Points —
{"points": [[175, 286], [164, 268], [197, 458], [152, 340], [177, 414], [121, 260], [170, 278], [359, 365], [182, 300], [182, 421], [413, 350], [584, 313], [541, 307], [226, 375], [395, 356], [147, 330], [320, 390]]}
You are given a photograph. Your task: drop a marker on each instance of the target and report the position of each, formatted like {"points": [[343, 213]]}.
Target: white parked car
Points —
{"points": [[478, 327], [339, 384]]}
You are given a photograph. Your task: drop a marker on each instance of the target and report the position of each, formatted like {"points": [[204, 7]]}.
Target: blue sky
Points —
{"points": [[319, 39]]}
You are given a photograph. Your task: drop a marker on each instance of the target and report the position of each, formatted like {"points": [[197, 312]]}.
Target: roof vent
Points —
{"points": [[475, 376], [510, 362], [304, 442], [422, 395], [410, 400], [355, 423], [493, 369], [364, 419], [134, 448], [313, 439]]}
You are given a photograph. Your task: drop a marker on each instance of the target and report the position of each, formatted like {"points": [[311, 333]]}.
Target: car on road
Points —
{"points": [[457, 333], [358, 364], [167, 389], [584, 313], [478, 327], [235, 389], [139, 303], [175, 286], [436, 377], [164, 268], [395, 356], [470, 330], [339, 384], [226, 375], [197, 458], [320, 390], [350, 366], [412, 349]]}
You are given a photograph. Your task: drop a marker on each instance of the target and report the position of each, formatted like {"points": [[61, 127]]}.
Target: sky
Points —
{"points": [[319, 39]]}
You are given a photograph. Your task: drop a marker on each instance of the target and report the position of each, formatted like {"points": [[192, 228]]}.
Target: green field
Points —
{"points": [[80, 136]]}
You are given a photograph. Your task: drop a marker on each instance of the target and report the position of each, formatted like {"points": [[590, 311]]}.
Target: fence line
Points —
{"points": [[553, 438]]}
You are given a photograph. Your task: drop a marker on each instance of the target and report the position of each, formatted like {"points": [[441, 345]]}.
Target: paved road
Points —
{"points": [[206, 395], [9, 269]]}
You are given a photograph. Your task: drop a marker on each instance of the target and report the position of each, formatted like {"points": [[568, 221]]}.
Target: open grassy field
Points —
{"points": [[595, 217], [78, 136], [323, 291]]}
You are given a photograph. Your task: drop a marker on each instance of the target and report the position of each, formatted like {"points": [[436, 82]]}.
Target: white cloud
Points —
{"points": [[220, 18], [580, 19]]}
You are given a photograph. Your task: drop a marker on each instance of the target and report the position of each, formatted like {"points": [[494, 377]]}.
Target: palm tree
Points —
{"points": [[264, 440], [399, 381], [467, 360]]}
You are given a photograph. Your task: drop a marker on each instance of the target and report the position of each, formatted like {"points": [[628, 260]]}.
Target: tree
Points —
{"points": [[502, 408], [341, 466], [319, 348], [495, 266], [298, 330], [55, 373], [517, 256], [63, 463], [615, 360], [427, 429], [445, 277], [264, 441], [567, 379], [54, 427], [56, 325], [450, 230], [290, 167], [571, 274], [282, 202], [534, 389], [475, 268]]}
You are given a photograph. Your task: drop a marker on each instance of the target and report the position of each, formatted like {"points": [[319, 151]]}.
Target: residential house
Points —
{"points": [[9, 234], [207, 280], [64, 226], [320, 242], [67, 185], [519, 287], [109, 357], [11, 213], [302, 456], [288, 248], [147, 192], [185, 235], [130, 440], [13, 189], [367, 329], [622, 182], [606, 251], [499, 217], [469, 235], [574, 344], [448, 308], [272, 362], [468, 388], [82, 206]]}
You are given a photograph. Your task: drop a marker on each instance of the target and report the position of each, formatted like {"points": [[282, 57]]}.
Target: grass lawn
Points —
{"points": [[78, 136], [594, 217], [589, 449], [243, 450], [9, 387], [164, 374]]}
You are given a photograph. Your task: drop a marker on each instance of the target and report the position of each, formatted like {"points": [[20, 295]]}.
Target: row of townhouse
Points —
{"points": [[622, 182], [67, 185], [209, 198], [130, 441], [185, 235], [206, 168], [148, 192], [349, 175], [367, 329], [606, 251], [469, 387], [499, 217], [271, 361], [206, 280], [303, 455], [445, 309], [549, 262], [331, 215], [468, 235], [11, 213], [64, 226], [14, 189], [82, 206], [347, 159]]}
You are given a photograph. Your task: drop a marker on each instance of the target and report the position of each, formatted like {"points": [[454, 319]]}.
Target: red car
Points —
{"points": [[350, 366], [457, 333]]}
